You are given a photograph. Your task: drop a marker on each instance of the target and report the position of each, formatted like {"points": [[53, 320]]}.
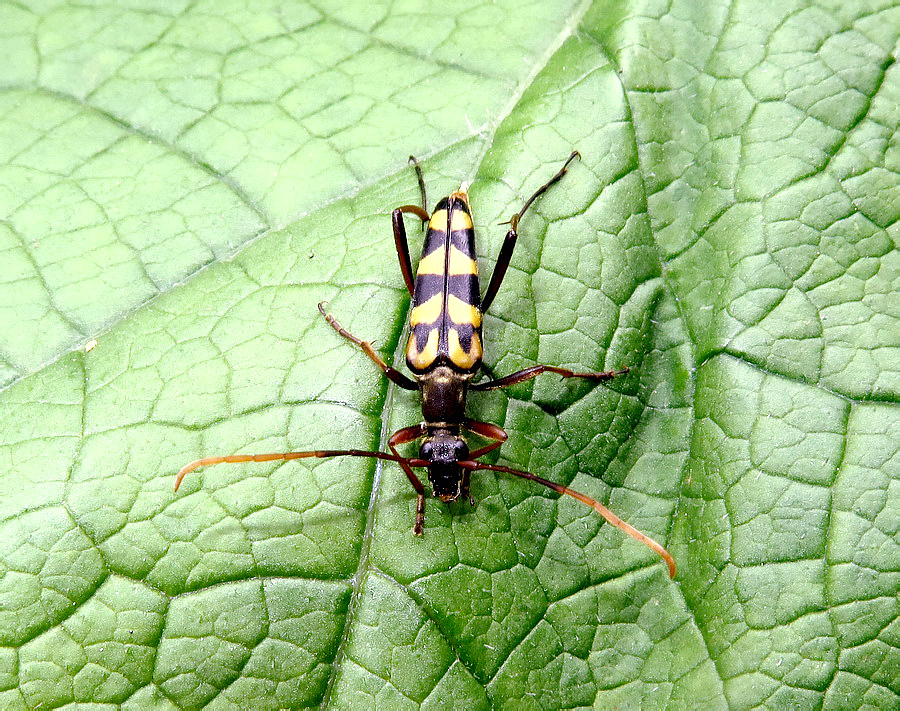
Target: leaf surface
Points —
{"points": [[182, 184]]}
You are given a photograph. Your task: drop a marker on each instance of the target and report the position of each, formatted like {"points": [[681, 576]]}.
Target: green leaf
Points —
{"points": [[183, 183]]}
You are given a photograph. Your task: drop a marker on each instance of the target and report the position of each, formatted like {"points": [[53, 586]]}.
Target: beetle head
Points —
{"points": [[444, 451]]}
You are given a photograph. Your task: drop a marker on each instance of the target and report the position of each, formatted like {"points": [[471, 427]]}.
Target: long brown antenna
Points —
{"points": [[596, 505], [285, 456]]}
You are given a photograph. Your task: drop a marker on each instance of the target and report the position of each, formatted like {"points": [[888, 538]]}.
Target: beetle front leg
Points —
{"points": [[404, 436]]}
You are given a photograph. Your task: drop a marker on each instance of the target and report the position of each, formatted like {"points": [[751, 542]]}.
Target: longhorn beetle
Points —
{"points": [[444, 353]]}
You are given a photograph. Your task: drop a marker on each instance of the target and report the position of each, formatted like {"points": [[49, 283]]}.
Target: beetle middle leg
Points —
{"points": [[392, 374], [535, 370], [509, 241]]}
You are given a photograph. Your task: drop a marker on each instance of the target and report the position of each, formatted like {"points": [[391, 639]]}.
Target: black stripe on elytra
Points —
{"points": [[421, 331], [465, 288], [464, 241], [464, 331], [434, 239], [457, 204], [427, 285]]}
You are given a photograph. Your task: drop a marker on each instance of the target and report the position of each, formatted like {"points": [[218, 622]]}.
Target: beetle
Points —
{"points": [[444, 353]]}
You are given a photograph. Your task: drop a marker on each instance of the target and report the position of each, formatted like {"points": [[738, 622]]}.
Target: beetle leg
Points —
{"points": [[400, 240], [535, 370], [418, 169], [488, 431], [411, 434], [509, 241], [393, 374], [400, 229]]}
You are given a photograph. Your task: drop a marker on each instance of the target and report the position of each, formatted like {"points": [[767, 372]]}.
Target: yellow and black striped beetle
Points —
{"points": [[444, 353]]}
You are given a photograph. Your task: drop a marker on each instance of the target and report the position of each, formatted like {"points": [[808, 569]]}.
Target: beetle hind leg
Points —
{"points": [[509, 242]]}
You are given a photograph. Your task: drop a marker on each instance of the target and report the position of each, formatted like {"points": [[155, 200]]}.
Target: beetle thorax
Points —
{"points": [[443, 395]]}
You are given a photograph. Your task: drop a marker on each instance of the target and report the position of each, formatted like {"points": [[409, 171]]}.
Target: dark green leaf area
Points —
{"points": [[257, 640], [398, 656]]}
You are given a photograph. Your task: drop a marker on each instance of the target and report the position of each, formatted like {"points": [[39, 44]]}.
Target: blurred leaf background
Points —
{"points": [[183, 182]]}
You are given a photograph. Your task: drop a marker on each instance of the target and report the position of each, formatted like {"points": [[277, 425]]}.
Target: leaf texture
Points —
{"points": [[182, 183]]}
